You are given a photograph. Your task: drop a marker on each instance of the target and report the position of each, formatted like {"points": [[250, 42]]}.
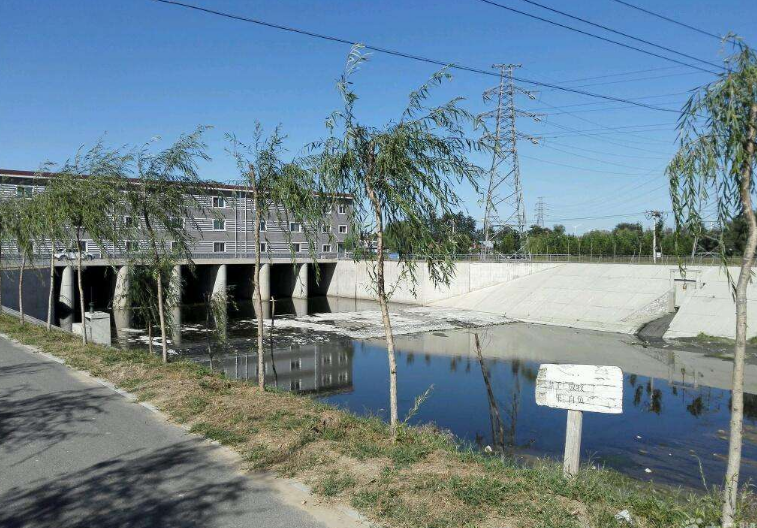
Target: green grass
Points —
{"points": [[423, 479]]}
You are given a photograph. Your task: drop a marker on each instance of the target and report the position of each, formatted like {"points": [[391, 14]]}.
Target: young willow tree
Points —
{"points": [[402, 173], [52, 229], [285, 189], [162, 196], [85, 193], [718, 127], [24, 230]]}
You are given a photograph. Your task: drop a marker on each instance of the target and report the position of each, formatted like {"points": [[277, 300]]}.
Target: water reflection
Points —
{"points": [[676, 401], [318, 368]]}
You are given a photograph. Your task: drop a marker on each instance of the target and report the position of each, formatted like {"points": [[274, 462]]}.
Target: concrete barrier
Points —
{"points": [[353, 280], [711, 310]]}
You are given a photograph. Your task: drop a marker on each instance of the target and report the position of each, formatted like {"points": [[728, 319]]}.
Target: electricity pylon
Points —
{"points": [[539, 211], [503, 201]]}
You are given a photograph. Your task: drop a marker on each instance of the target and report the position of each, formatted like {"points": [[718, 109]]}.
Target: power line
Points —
{"points": [[624, 215], [668, 19], [581, 168], [633, 156], [600, 26], [404, 55], [590, 158], [588, 34]]}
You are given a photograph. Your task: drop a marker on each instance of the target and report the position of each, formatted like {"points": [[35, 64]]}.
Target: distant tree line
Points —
{"points": [[625, 239]]}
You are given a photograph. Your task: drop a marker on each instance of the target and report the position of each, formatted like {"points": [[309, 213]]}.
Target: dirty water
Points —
{"points": [[676, 399]]}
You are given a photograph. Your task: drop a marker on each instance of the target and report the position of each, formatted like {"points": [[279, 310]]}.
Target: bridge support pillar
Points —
{"points": [[220, 284], [265, 282], [66, 298], [175, 304], [301, 282], [121, 291]]}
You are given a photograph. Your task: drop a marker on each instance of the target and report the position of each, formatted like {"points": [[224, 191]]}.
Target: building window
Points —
{"points": [[343, 377], [219, 247], [342, 209], [326, 360], [326, 248], [219, 225], [326, 379], [342, 358], [174, 245], [325, 229], [295, 227], [263, 247], [24, 191], [219, 202], [296, 247], [295, 364], [263, 226], [131, 245], [295, 385], [128, 221], [342, 229]]}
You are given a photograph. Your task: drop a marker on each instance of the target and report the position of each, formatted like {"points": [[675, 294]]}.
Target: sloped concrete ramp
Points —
{"points": [[607, 297], [711, 309]]}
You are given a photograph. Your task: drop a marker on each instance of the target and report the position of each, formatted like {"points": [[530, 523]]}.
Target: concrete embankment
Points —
{"points": [[607, 297]]}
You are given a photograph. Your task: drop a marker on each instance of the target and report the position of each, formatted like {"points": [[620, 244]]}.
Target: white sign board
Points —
{"points": [[591, 388]]}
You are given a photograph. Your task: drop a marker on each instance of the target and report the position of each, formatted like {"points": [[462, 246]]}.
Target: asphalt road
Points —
{"points": [[73, 453]]}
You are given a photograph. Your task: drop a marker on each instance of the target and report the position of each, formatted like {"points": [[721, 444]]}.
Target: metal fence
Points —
{"points": [[664, 260]]}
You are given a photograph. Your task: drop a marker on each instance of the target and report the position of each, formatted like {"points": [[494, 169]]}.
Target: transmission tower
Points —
{"points": [[539, 211], [503, 201]]}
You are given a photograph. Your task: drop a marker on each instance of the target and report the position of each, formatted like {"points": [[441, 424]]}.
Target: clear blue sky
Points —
{"points": [[73, 71]]}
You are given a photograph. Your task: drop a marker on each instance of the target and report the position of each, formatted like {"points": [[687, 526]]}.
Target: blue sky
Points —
{"points": [[73, 71]]}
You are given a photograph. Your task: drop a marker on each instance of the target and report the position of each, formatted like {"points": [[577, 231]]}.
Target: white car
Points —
{"points": [[71, 255]]}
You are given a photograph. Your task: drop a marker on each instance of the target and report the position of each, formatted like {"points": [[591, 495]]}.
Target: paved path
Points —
{"points": [[75, 454]]}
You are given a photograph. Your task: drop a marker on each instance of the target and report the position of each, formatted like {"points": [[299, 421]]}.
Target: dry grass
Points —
{"points": [[425, 479]]}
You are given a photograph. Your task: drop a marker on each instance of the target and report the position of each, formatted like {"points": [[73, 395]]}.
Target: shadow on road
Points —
{"points": [[44, 419], [175, 486]]}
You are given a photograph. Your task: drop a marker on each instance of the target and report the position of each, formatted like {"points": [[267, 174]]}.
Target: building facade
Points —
{"points": [[226, 230]]}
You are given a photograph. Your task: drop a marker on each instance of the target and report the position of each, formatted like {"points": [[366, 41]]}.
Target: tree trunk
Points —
{"points": [[149, 336], [383, 302], [81, 292], [737, 392], [21, 288], [257, 297], [51, 292]]}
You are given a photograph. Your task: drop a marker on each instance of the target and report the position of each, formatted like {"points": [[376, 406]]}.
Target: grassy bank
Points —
{"points": [[425, 479]]}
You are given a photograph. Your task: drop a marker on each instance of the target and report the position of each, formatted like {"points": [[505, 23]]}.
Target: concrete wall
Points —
{"points": [[36, 288], [353, 280], [607, 297], [711, 309]]}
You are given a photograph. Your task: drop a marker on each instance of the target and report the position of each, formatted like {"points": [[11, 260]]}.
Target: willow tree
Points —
{"points": [[24, 230], [85, 193], [284, 189], [718, 127], [162, 197], [5, 222], [52, 230], [404, 172]]}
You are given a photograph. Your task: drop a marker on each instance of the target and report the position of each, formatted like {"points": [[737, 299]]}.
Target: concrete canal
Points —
{"points": [[676, 396]]}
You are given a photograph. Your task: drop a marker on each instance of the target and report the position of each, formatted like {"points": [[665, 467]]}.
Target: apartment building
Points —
{"points": [[227, 231]]}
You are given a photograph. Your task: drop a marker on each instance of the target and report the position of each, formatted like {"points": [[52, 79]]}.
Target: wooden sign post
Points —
{"points": [[579, 388]]}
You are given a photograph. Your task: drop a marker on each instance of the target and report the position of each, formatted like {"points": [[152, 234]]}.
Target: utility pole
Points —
{"points": [[656, 217], [540, 211], [505, 187]]}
